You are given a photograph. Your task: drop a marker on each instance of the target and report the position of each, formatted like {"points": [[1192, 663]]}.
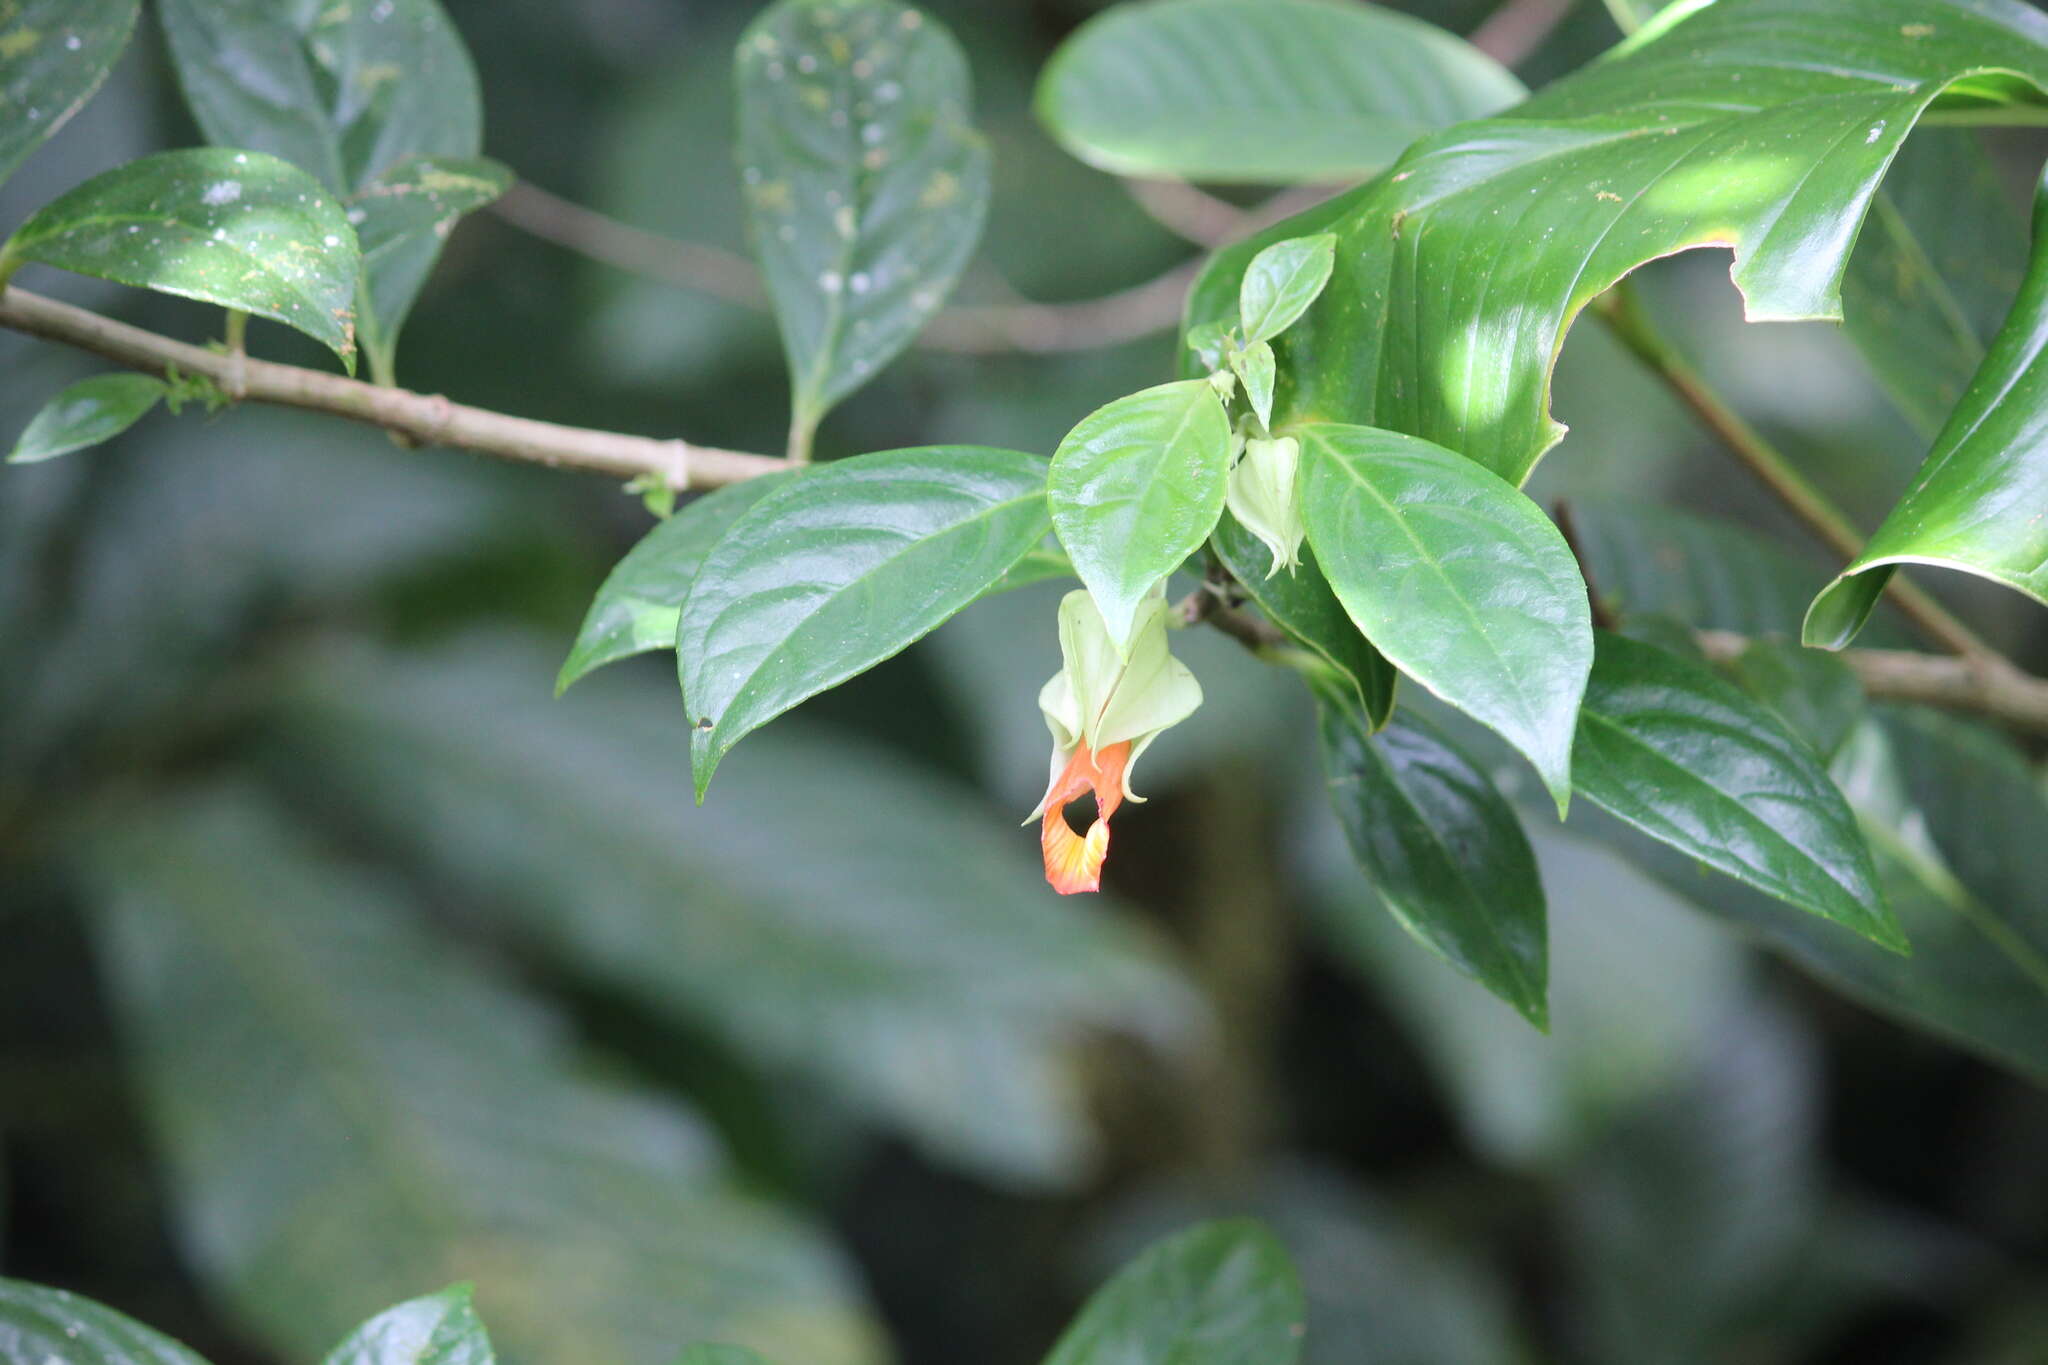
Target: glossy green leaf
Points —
{"points": [[1976, 503], [1962, 981], [1281, 282], [1761, 125], [1934, 270], [438, 1329], [1815, 693], [402, 218], [1443, 849], [53, 55], [1136, 488], [640, 602], [1218, 1294], [89, 412], [829, 574], [865, 182], [1459, 580], [1254, 368], [869, 935], [240, 229], [1302, 604], [376, 98], [39, 1325], [1672, 749], [397, 1113], [1260, 90]]}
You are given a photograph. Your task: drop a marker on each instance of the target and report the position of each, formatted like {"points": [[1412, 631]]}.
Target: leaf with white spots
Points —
{"points": [[240, 229], [377, 98], [53, 56], [865, 183]]}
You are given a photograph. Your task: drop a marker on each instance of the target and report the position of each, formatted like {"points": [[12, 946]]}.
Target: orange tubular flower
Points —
{"points": [[1073, 863], [1104, 707]]}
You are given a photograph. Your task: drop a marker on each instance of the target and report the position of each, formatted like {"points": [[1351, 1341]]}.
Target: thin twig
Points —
{"points": [[427, 419], [1990, 687], [1201, 218], [1631, 324], [1512, 33], [1998, 690], [1034, 328]]}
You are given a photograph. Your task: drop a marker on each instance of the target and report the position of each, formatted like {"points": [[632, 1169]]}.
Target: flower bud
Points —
{"points": [[1263, 496]]}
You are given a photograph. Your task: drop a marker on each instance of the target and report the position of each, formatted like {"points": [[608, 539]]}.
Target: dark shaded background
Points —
{"points": [[1712, 1159]]}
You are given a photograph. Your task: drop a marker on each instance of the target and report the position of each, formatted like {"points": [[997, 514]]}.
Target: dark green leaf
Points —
{"points": [[1936, 266], [1444, 849], [1963, 980], [1458, 579], [1260, 90], [439, 1329], [1136, 488], [89, 412], [1976, 503], [1281, 282], [1302, 604], [862, 930], [39, 1326], [240, 229], [1815, 693], [376, 98], [395, 1112], [1218, 1294], [1684, 756], [343, 91], [53, 56], [401, 219], [865, 182], [637, 608], [830, 574], [1761, 125]]}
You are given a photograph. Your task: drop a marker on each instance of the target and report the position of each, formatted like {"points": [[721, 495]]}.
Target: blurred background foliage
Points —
{"points": [[342, 962]]}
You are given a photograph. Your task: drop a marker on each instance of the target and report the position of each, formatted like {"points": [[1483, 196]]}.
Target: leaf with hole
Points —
{"points": [[1274, 91], [1977, 503], [1217, 1294], [240, 229], [1670, 747], [1135, 489], [641, 600], [54, 54], [1458, 579], [1763, 126], [831, 573], [865, 183], [1444, 850], [89, 412]]}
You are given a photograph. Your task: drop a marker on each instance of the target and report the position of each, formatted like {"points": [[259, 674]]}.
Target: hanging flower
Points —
{"points": [[1103, 708], [1262, 496]]}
